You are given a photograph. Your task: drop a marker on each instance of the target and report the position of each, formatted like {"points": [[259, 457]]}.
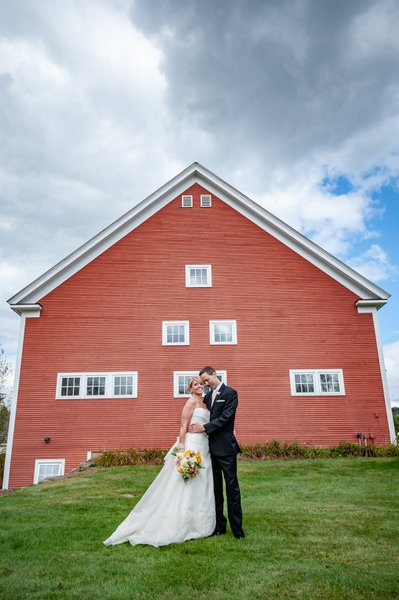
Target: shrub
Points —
{"points": [[266, 451], [273, 450], [132, 456]]}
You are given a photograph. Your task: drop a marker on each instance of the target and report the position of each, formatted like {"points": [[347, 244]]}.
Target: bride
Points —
{"points": [[172, 510]]}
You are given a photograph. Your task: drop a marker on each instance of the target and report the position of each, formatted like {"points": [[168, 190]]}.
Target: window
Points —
{"points": [[70, 386], [181, 379], [123, 385], [95, 386], [304, 383], [76, 386], [206, 201], [45, 468], [328, 382], [175, 333], [223, 332], [198, 276], [187, 201]]}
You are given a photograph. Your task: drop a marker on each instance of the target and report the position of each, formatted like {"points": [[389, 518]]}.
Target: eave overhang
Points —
{"points": [[369, 304], [27, 310]]}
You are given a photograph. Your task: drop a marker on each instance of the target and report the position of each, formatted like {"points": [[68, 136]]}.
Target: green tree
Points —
{"points": [[5, 370], [395, 412]]}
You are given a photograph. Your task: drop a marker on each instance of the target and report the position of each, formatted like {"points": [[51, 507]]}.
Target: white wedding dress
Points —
{"points": [[172, 510]]}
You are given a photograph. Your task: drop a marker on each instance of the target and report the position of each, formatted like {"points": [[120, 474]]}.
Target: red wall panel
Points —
{"points": [[108, 317]]}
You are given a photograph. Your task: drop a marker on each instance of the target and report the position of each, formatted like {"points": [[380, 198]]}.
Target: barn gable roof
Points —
{"points": [[369, 293]]}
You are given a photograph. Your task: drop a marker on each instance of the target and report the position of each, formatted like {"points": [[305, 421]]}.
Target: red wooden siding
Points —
{"points": [[108, 317]]}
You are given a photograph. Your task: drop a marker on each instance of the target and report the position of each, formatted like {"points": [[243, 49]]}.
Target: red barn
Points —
{"points": [[195, 274]]}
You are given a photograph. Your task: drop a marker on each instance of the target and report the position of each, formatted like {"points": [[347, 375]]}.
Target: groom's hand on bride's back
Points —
{"points": [[196, 428]]}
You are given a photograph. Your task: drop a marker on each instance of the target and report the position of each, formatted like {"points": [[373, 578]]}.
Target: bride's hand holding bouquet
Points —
{"points": [[188, 462]]}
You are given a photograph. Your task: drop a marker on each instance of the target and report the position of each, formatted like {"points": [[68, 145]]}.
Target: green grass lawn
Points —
{"points": [[320, 528]]}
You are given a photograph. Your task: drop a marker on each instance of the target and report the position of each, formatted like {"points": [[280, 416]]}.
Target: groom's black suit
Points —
{"points": [[224, 448]]}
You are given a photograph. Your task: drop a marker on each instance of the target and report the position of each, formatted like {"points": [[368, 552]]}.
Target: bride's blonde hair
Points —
{"points": [[191, 382]]}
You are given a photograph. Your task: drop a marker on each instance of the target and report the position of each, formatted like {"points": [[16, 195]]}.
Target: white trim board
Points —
{"points": [[11, 427], [196, 173], [384, 379]]}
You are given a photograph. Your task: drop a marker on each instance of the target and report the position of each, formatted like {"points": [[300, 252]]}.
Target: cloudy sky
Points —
{"points": [[294, 102]]}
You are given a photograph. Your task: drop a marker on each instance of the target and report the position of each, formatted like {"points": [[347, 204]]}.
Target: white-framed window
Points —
{"points": [[124, 385], [175, 333], [48, 467], [181, 379], [317, 382], [187, 201], [95, 385], [206, 200], [69, 386], [76, 386], [198, 276], [223, 332]]}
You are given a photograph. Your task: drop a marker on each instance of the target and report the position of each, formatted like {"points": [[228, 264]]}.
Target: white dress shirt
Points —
{"points": [[214, 393]]}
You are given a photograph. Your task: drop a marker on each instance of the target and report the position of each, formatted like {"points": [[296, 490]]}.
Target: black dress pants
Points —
{"points": [[228, 466]]}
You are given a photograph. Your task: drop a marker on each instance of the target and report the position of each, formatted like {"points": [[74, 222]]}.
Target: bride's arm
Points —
{"points": [[185, 419]]}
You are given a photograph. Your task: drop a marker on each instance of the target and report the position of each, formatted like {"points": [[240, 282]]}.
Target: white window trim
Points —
{"points": [[209, 277], [317, 383], [184, 198], [191, 374], [186, 333], [47, 461], [212, 332], [206, 198], [109, 385], [133, 374]]}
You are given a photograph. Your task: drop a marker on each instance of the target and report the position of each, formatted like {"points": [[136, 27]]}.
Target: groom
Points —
{"points": [[222, 403]]}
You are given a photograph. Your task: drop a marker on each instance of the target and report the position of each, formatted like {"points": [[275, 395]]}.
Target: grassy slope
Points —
{"points": [[323, 529]]}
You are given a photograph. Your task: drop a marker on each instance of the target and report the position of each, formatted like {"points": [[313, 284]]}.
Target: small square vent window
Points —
{"points": [[187, 201], [206, 200]]}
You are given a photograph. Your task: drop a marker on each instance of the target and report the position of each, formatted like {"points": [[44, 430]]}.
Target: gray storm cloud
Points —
{"points": [[289, 80]]}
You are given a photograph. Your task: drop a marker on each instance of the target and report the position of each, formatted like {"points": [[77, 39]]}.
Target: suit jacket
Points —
{"points": [[220, 428]]}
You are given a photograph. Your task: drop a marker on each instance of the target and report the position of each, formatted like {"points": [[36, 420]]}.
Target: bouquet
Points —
{"points": [[188, 463]]}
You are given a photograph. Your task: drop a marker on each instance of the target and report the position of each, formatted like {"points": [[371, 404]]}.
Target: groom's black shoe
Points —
{"points": [[240, 537], [218, 533]]}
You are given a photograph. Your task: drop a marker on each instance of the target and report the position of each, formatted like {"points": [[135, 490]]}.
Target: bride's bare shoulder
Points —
{"points": [[190, 404], [187, 411]]}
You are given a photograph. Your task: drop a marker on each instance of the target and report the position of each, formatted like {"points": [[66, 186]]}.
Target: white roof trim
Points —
{"points": [[367, 304], [196, 173], [27, 310]]}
